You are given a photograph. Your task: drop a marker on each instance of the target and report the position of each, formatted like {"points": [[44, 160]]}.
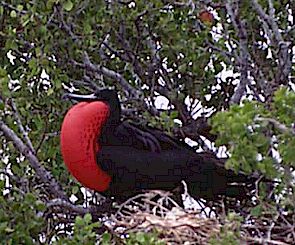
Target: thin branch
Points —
{"points": [[264, 241], [268, 19], [284, 51], [244, 55], [21, 127], [111, 74], [265, 19], [52, 185], [225, 54], [131, 91], [88, 80], [118, 54], [65, 25], [80, 209], [281, 127], [272, 225], [7, 5], [195, 128], [285, 62]]}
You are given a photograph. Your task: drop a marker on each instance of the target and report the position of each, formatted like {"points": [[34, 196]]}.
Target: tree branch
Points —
{"points": [[244, 55], [51, 184], [99, 69], [284, 51], [281, 127], [110, 74], [95, 210], [21, 128]]}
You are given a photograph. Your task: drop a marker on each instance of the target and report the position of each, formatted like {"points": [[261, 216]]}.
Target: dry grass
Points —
{"points": [[157, 211]]}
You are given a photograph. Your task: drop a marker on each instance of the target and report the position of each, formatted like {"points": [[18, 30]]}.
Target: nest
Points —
{"points": [[157, 211]]}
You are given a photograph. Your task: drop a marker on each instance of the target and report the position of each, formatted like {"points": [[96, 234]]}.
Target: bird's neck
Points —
{"points": [[115, 116], [109, 128]]}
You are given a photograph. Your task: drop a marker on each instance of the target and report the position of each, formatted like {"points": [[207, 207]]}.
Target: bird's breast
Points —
{"points": [[80, 129]]}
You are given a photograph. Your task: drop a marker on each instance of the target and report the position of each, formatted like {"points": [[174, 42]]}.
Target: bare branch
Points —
{"points": [[7, 5], [51, 184], [268, 19], [284, 63], [89, 81], [65, 25], [111, 74], [226, 54], [195, 128], [244, 55], [284, 51], [281, 127], [80, 209], [20, 125], [265, 241]]}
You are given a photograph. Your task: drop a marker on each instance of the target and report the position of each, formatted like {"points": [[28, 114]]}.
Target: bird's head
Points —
{"points": [[109, 96]]}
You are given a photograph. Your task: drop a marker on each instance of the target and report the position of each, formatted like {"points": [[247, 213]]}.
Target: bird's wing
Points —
{"points": [[147, 138]]}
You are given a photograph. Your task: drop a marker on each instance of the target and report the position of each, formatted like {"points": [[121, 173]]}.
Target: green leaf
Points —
{"points": [[87, 218], [13, 14], [30, 198], [68, 5], [174, 114], [32, 63], [9, 230], [256, 211], [79, 221], [3, 72], [50, 3], [58, 84], [182, 68], [50, 91], [16, 169], [106, 238], [2, 185], [75, 190], [20, 7], [218, 67]]}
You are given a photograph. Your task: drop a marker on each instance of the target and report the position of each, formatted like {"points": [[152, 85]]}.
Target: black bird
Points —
{"points": [[120, 159]]}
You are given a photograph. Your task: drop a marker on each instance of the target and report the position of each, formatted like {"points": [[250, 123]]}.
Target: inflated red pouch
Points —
{"points": [[79, 132]]}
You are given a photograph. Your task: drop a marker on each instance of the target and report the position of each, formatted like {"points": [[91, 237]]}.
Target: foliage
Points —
{"points": [[230, 231], [254, 135], [83, 232], [21, 219], [141, 238], [144, 49]]}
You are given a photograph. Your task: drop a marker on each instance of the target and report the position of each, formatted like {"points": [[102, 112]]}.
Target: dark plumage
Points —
{"points": [[146, 158]]}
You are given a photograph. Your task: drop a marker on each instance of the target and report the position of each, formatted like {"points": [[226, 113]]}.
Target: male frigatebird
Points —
{"points": [[118, 158]]}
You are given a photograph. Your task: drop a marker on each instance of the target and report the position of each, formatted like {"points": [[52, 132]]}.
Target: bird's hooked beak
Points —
{"points": [[80, 97], [107, 95]]}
